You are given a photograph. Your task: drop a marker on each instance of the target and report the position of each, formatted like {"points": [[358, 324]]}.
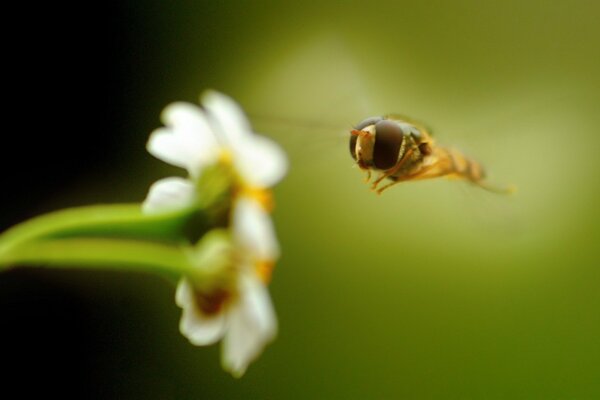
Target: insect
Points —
{"points": [[403, 150]]}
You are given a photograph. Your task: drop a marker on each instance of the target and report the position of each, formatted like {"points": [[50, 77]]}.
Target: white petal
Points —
{"points": [[176, 150], [253, 230], [169, 194], [252, 325], [190, 121], [198, 328], [228, 116], [187, 141], [260, 161]]}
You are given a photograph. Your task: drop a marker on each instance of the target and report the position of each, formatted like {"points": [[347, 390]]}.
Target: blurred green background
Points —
{"points": [[433, 290]]}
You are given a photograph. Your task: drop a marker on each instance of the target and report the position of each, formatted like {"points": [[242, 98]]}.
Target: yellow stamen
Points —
{"points": [[264, 270], [262, 196]]}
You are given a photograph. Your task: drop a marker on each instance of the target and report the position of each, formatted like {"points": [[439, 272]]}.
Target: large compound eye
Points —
{"points": [[366, 122], [388, 140]]}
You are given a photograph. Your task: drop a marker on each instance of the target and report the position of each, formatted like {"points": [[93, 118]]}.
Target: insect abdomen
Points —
{"points": [[465, 167]]}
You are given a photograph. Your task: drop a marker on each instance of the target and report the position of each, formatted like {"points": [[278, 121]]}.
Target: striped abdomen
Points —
{"points": [[461, 166]]}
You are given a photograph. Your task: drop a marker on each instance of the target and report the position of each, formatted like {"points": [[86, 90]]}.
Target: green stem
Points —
{"points": [[110, 221], [116, 254]]}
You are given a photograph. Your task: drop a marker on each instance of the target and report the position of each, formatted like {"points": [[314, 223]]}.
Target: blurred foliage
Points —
{"points": [[432, 290]]}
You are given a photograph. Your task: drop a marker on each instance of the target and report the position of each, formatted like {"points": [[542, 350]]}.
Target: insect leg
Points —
{"points": [[392, 170], [422, 174], [381, 189]]}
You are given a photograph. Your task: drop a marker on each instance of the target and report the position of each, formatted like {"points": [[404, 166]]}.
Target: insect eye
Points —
{"points": [[366, 122], [388, 140]]}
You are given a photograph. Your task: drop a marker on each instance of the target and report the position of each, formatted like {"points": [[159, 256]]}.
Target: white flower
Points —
{"points": [[245, 326], [244, 318], [195, 138]]}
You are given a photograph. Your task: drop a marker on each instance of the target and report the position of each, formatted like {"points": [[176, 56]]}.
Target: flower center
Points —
{"points": [[225, 157], [213, 302], [261, 195]]}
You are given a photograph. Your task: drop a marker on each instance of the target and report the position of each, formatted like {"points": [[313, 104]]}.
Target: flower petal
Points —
{"points": [[252, 325], [190, 121], [227, 117], [260, 161], [201, 330], [168, 147], [253, 230], [169, 194], [188, 140]]}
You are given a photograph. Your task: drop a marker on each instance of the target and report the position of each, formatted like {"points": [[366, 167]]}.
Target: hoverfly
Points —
{"points": [[402, 150]]}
